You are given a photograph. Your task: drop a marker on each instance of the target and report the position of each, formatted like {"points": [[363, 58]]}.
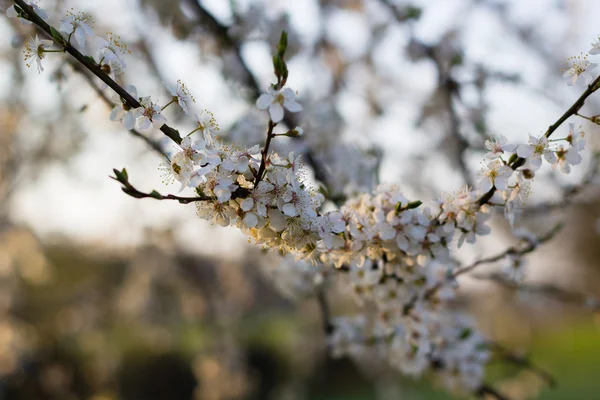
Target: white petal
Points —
{"points": [[290, 210], [117, 113], [292, 105], [11, 12], [158, 120], [276, 112], [247, 204], [143, 123], [129, 121], [524, 151], [131, 90], [80, 37], [264, 101], [250, 220]]}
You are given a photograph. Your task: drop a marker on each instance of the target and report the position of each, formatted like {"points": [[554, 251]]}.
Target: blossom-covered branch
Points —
{"points": [[29, 13], [396, 253]]}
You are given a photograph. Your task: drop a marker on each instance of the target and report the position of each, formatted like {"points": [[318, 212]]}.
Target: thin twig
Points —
{"points": [[524, 362], [569, 193], [552, 291], [513, 250], [486, 390]]}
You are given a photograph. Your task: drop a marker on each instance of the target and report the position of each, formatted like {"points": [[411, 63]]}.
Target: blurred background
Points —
{"points": [[107, 297]]}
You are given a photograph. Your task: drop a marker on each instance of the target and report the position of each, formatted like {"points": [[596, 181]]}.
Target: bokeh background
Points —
{"points": [[103, 296]]}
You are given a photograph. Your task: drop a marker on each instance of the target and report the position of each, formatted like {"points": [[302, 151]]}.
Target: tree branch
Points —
{"points": [[579, 103], [90, 64]]}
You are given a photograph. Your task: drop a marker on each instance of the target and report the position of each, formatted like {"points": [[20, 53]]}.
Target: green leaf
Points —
{"points": [[282, 46], [413, 12], [414, 204], [465, 334], [399, 207], [57, 36], [155, 195]]}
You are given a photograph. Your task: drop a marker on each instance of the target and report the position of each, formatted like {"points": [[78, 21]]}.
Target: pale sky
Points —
{"points": [[88, 206]]}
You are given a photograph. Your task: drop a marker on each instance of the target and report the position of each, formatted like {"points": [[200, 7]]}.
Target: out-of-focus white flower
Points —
{"points": [[77, 25], [11, 12], [34, 51], [578, 67], [122, 112], [183, 97], [494, 174], [207, 124], [576, 137], [497, 146], [179, 168], [595, 46], [534, 151], [110, 49], [514, 268], [567, 156], [276, 100]]}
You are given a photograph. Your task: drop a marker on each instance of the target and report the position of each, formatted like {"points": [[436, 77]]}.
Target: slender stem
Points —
{"points": [[168, 104], [91, 65], [531, 246], [265, 152], [486, 390], [524, 362]]}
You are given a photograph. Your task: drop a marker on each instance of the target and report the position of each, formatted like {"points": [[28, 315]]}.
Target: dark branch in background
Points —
{"points": [[513, 250], [447, 87], [523, 362], [486, 390], [221, 32], [569, 193], [90, 64], [551, 291], [151, 143], [325, 311], [573, 110]]}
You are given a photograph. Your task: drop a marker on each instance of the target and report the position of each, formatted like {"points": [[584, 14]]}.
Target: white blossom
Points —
{"points": [[494, 174], [150, 114], [276, 100], [578, 67], [77, 25], [34, 51], [11, 12], [534, 151], [497, 146], [182, 95], [122, 112]]}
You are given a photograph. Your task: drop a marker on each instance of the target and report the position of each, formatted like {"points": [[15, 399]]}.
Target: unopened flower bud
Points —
{"points": [[296, 132], [528, 174]]}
